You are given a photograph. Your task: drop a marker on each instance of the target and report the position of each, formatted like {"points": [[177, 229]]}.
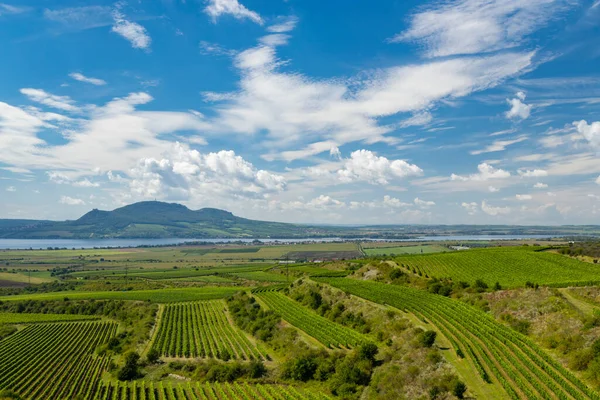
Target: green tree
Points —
{"points": [[130, 370], [427, 338], [459, 389]]}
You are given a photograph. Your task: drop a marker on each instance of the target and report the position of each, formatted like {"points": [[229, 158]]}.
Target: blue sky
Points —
{"points": [[472, 111]]}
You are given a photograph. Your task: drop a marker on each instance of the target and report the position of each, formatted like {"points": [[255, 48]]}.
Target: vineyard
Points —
{"points": [[14, 318], [168, 295], [498, 353], [510, 266], [327, 332], [55, 361], [202, 329], [207, 391]]}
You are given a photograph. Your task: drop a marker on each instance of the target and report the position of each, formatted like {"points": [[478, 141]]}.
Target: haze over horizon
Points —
{"points": [[313, 112]]}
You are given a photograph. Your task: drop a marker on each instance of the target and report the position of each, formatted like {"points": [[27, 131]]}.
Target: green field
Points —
{"points": [[202, 329], [22, 318], [421, 249], [510, 266], [327, 332], [55, 361], [206, 391], [500, 354], [169, 295]]}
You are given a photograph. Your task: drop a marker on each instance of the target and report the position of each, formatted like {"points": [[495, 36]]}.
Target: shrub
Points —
{"points": [[427, 338]]}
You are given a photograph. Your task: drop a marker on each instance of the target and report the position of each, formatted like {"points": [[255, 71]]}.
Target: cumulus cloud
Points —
{"points": [[217, 8], [540, 185], [71, 201], [82, 78], [475, 26], [184, 173], [132, 31], [591, 132], [518, 109], [423, 204], [364, 165], [486, 172], [64, 103], [493, 189], [393, 202], [532, 173], [471, 208], [11, 189], [335, 152], [523, 197], [494, 211], [598, 180]]}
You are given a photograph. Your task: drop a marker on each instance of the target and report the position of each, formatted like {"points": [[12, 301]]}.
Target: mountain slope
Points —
{"points": [[154, 219]]}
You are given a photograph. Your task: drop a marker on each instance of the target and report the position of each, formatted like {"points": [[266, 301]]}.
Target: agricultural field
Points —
{"points": [[56, 360], [168, 295], [197, 391], [30, 318], [501, 355], [396, 250], [325, 331], [202, 329], [510, 266]]}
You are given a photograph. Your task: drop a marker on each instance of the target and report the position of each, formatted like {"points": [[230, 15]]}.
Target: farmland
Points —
{"points": [[499, 354], [202, 329], [510, 266], [325, 331], [215, 391], [55, 361], [30, 318]]}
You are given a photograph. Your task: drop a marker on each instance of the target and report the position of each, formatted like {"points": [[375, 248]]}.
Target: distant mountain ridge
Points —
{"points": [[155, 219]]}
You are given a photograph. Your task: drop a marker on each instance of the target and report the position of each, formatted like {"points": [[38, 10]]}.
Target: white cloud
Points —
{"points": [[335, 152], [64, 103], [540, 185], [418, 119], [71, 201], [523, 197], [132, 31], [183, 173], [475, 26], [6, 9], [535, 173], [518, 109], [80, 18], [598, 180], [11, 189], [207, 48], [393, 202], [86, 183], [493, 211], [486, 172], [499, 145], [471, 208], [82, 78], [423, 204], [287, 25], [493, 189], [591, 132], [216, 8], [364, 165]]}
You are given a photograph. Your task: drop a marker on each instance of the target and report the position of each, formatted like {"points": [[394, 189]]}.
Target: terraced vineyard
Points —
{"points": [[511, 266], [207, 391], [55, 361], [23, 318], [322, 329], [498, 353], [202, 329]]}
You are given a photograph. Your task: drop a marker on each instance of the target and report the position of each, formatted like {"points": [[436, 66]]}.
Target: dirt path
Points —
{"points": [[583, 306]]}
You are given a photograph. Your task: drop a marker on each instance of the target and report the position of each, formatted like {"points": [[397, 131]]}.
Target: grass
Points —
{"points": [[26, 318], [23, 277], [169, 295]]}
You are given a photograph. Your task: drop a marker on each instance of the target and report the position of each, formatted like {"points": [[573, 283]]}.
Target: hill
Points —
{"points": [[155, 219]]}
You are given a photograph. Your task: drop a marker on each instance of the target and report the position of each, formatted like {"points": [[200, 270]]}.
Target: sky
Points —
{"points": [[333, 112]]}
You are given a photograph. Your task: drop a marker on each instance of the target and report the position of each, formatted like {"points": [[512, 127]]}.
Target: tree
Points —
{"points": [[459, 389], [368, 351], [497, 286], [153, 356], [130, 370], [480, 285], [427, 338]]}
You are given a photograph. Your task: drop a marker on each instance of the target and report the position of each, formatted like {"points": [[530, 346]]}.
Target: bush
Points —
{"points": [[480, 285], [153, 356], [130, 370], [368, 351], [7, 394], [459, 389], [427, 338]]}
